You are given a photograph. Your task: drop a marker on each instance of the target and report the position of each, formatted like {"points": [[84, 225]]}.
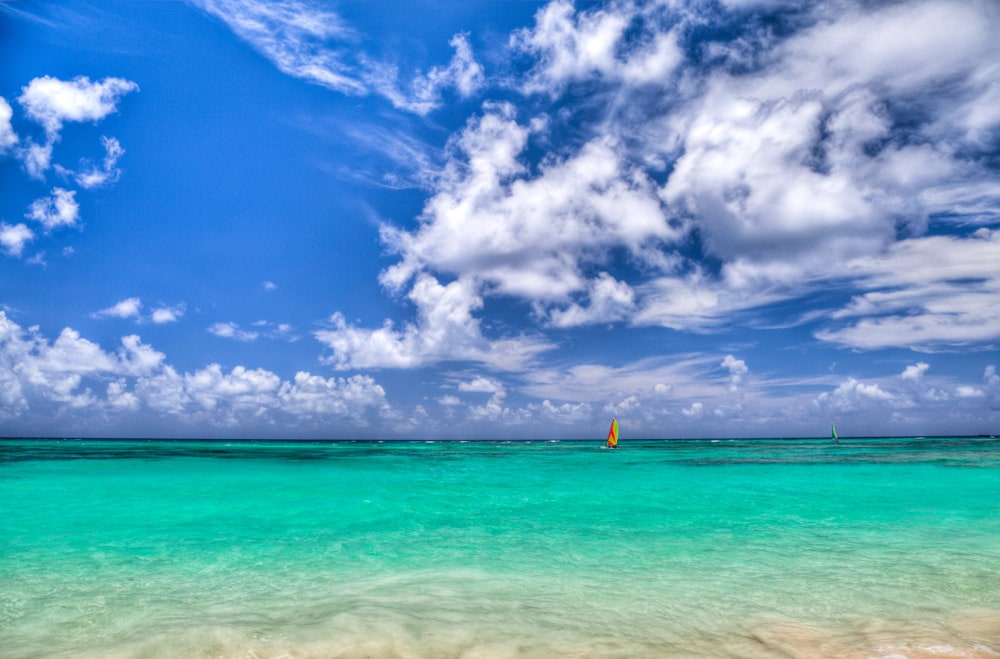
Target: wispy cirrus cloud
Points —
{"points": [[308, 41]]}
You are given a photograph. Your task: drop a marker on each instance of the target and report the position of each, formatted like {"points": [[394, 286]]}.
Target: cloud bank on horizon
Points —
{"points": [[621, 208]]}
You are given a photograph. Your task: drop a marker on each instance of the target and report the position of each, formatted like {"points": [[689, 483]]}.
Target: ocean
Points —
{"points": [[722, 548]]}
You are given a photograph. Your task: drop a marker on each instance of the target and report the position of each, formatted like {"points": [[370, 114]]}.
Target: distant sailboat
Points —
{"points": [[833, 433], [613, 434]]}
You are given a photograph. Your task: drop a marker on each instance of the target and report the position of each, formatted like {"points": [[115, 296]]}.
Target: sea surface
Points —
{"points": [[748, 548]]}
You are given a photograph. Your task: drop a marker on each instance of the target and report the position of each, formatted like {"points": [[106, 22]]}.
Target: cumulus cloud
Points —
{"points": [[915, 372], [57, 210], [36, 373], [232, 331], [51, 103], [482, 384], [128, 308], [445, 330], [738, 370], [528, 236], [8, 137], [13, 238], [162, 315], [571, 46], [854, 395]]}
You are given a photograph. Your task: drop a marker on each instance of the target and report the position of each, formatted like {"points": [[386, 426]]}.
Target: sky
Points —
{"points": [[499, 219]]}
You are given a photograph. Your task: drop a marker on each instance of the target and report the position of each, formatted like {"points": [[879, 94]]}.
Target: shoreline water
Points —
{"points": [[741, 549]]}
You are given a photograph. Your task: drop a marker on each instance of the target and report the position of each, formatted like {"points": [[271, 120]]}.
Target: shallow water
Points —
{"points": [[882, 547]]}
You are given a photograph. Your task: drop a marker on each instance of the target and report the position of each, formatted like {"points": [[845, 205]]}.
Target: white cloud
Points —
{"points": [[694, 409], [445, 330], [137, 358], [8, 137], [610, 300], [424, 94], [164, 315], [528, 236], [573, 46], [966, 391], [302, 39], [14, 237], [308, 41], [232, 331], [36, 374], [128, 308], [108, 172], [853, 395], [565, 413], [738, 370], [482, 384], [924, 293], [52, 102], [315, 395], [58, 210], [915, 372]]}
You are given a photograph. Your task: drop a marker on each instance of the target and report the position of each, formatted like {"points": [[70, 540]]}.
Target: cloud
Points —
{"points": [[318, 396], [308, 41], [232, 331], [854, 395], [695, 409], [737, 371], [95, 177], [8, 137], [164, 315], [609, 299], [914, 372], [36, 374], [14, 237], [529, 236], [620, 43], [128, 308], [425, 91], [924, 293], [482, 384], [58, 210], [132, 308], [302, 39], [52, 102], [445, 330]]}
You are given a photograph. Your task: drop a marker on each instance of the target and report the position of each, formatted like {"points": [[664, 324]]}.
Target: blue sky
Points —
{"points": [[238, 218]]}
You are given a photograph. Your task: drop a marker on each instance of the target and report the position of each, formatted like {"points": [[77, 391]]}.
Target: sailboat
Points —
{"points": [[613, 434], [833, 433]]}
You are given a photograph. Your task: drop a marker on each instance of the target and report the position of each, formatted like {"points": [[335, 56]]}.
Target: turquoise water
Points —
{"points": [[801, 548]]}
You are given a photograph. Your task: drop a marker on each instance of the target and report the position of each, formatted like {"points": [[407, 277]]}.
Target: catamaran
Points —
{"points": [[613, 434], [833, 433]]}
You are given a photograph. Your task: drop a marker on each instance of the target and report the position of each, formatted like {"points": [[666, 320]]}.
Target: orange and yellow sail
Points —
{"points": [[613, 434]]}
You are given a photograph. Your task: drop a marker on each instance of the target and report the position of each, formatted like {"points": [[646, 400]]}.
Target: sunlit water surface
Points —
{"points": [[801, 548]]}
